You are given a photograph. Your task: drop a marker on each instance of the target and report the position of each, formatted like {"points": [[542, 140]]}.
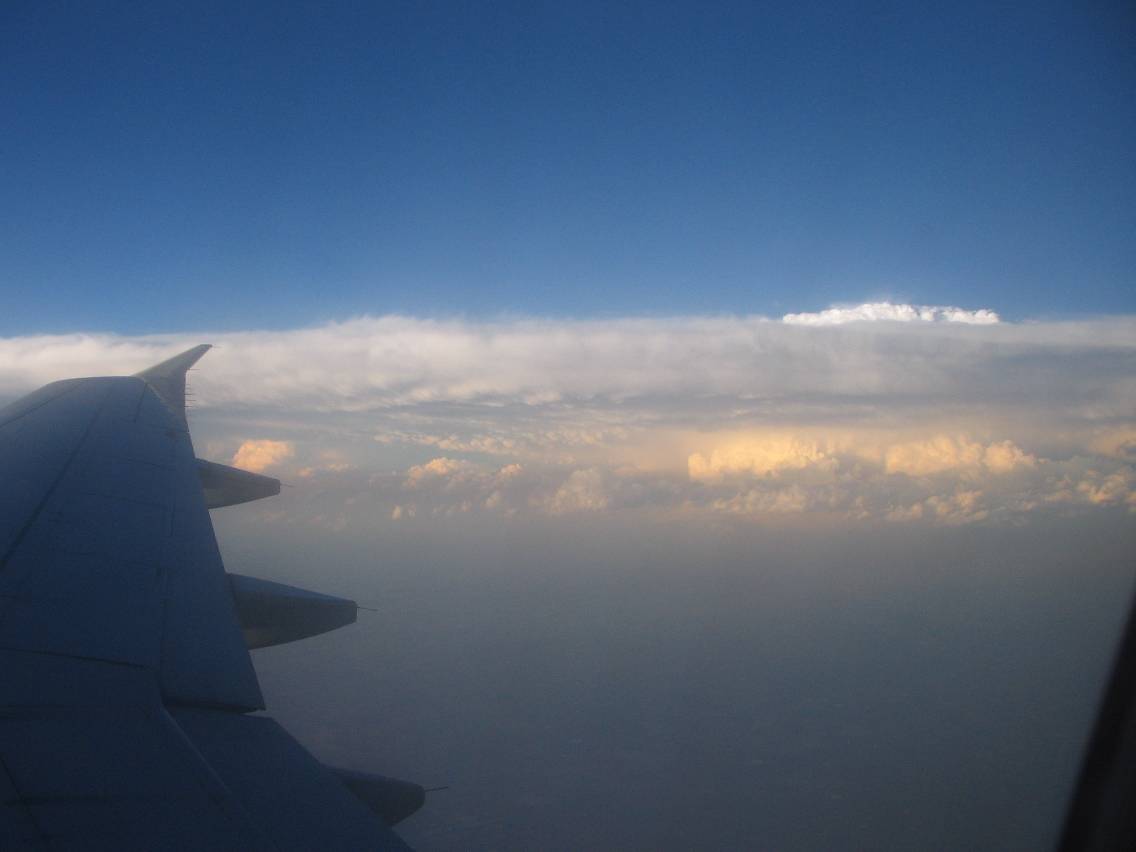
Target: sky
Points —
{"points": [[728, 411], [206, 167]]}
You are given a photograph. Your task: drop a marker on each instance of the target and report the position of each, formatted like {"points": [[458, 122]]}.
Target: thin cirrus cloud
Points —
{"points": [[877, 412]]}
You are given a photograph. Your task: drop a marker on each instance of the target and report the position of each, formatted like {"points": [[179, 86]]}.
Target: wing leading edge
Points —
{"points": [[126, 677]]}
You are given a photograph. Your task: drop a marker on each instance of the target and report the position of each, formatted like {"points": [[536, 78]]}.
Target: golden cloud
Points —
{"points": [[943, 453], [260, 454], [758, 456]]}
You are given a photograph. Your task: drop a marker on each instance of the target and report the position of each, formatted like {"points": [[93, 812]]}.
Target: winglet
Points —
{"points": [[168, 378]]}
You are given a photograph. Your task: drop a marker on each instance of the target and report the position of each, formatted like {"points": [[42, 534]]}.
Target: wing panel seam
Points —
{"points": [[62, 392], [32, 821]]}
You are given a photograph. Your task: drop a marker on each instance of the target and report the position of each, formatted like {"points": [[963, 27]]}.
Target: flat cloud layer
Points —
{"points": [[880, 412]]}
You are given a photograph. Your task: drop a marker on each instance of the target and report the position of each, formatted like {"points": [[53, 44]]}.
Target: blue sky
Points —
{"points": [[166, 169]]}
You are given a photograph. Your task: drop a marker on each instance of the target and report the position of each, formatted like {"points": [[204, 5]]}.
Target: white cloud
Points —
{"points": [[740, 415], [888, 312], [385, 363]]}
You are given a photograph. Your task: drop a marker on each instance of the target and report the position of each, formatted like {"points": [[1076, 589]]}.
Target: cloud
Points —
{"points": [[946, 416], [392, 362], [887, 312], [450, 472], [325, 462], [944, 453], [1120, 443], [259, 455], [761, 456], [582, 491]]}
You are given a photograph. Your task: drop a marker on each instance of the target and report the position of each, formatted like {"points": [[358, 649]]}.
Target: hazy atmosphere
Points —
{"points": [[685, 582], [728, 412]]}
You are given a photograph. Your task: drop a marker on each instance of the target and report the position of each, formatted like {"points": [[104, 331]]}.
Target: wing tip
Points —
{"points": [[180, 363], [168, 377]]}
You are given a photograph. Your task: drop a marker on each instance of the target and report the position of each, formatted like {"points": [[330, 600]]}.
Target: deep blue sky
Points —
{"points": [[164, 168]]}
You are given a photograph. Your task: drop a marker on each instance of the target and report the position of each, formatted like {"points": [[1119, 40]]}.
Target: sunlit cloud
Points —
{"points": [[879, 413], [942, 453], [261, 454], [759, 456], [888, 312]]}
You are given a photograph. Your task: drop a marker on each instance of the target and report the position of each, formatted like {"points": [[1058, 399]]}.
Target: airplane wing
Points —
{"points": [[126, 685]]}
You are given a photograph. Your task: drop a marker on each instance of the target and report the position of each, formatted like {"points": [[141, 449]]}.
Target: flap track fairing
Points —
{"points": [[228, 486], [273, 613], [390, 799]]}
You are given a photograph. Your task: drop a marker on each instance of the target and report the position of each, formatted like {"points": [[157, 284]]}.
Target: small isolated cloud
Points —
{"points": [[259, 455], [888, 312]]}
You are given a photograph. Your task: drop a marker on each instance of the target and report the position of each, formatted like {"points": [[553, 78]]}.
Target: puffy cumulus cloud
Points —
{"points": [[866, 493], [450, 473], [888, 312], [843, 452], [486, 444], [1108, 488], [1005, 456], [447, 486], [759, 456], [1120, 443], [325, 462], [870, 475], [961, 507], [849, 488], [260, 454], [936, 455], [943, 453], [582, 491], [787, 500]]}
